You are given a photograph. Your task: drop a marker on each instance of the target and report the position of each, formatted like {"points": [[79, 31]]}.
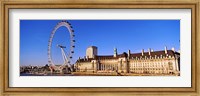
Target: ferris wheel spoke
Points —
{"points": [[63, 55], [68, 54]]}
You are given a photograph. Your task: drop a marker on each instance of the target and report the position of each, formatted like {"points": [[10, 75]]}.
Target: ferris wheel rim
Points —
{"points": [[72, 40]]}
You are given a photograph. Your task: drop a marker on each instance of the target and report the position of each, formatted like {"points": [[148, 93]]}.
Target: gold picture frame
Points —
{"points": [[127, 4]]}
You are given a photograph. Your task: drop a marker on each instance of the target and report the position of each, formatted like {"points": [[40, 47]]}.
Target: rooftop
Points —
{"points": [[132, 55]]}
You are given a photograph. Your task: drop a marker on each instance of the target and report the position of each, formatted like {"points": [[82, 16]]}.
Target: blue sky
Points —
{"points": [[105, 34]]}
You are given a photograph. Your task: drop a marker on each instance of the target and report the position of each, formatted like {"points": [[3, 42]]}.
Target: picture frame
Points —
{"points": [[4, 46]]}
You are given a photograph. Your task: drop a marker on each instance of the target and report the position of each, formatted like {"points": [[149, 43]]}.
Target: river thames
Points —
{"points": [[28, 74]]}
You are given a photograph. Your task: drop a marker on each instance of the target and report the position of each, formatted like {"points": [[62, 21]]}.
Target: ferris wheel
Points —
{"points": [[67, 55]]}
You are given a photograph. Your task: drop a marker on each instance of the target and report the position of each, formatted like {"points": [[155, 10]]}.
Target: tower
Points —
{"points": [[91, 52], [165, 49], [129, 53], [115, 52]]}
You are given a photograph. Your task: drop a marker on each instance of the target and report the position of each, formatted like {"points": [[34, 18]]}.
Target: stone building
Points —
{"points": [[151, 62]]}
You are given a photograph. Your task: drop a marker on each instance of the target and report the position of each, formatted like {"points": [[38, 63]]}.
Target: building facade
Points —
{"points": [[151, 62]]}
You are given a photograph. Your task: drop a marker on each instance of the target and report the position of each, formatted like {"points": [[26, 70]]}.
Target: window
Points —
{"points": [[170, 66]]}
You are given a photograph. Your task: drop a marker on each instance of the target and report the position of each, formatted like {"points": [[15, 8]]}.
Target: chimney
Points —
{"points": [[129, 53], [142, 52], [165, 49], [173, 49], [149, 51]]}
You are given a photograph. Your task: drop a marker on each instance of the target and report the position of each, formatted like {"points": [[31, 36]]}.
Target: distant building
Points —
{"points": [[151, 62]]}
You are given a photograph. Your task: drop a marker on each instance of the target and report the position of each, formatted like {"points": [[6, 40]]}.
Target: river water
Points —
{"points": [[27, 74]]}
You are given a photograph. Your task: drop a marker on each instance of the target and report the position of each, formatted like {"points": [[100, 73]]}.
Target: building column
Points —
{"points": [[97, 65], [176, 62], [119, 65], [174, 66]]}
